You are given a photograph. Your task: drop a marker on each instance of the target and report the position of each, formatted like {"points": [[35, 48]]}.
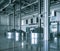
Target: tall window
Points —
{"points": [[26, 21], [31, 21], [37, 19], [34, 38], [22, 22]]}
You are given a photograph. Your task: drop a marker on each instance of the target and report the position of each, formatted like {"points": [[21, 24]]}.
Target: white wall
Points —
{"points": [[4, 19]]}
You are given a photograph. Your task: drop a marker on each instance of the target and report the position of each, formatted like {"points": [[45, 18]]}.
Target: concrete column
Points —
{"points": [[46, 24]]}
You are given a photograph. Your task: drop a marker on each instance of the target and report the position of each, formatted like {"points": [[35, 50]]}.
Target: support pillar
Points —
{"points": [[46, 24]]}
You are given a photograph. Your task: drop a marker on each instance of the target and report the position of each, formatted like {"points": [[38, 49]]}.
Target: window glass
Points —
{"points": [[37, 19], [26, 21], [22, 22], [31, 21]]}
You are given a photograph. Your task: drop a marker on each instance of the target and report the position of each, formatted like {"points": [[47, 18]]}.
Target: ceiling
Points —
{"points": [[27, 7]]}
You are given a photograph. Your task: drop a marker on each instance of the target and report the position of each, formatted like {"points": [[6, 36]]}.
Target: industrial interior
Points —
{"points": [[29, 25]]}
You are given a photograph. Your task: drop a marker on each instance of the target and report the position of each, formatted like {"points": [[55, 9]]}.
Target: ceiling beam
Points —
{"points": [[30, 4], [21, 8], [7, 4], [24, 7], [4, 7]]}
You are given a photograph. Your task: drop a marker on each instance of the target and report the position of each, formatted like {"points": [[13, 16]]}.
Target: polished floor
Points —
{"points": [[53, 46]]}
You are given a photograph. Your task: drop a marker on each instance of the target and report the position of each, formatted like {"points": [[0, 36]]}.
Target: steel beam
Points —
{"points": [[19, 9], [22, 7]]}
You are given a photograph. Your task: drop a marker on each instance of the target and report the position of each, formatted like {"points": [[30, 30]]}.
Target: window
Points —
{"points": [[17, 36], [34, 38], [22, 22], [26, 21], [9, 35], [37, 19], [53, 13], [31, 21]]}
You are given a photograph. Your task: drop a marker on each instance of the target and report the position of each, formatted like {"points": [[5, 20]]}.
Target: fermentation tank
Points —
{"points": [[37, 34], [33, 36], [17, 35]]}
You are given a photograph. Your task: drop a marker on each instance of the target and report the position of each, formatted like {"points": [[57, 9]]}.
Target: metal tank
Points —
{"points": [[37, 33], [34, 34], [20, 34]]}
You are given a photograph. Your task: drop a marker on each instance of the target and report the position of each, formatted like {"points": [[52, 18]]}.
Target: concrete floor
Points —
{"points": [[53, 47]]}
